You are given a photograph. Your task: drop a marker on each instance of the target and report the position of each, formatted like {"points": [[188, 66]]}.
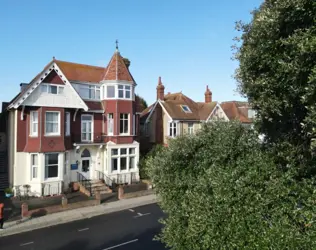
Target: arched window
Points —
{"points": [[85, 153]]}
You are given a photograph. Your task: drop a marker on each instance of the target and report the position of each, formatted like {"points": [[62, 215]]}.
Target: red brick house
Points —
{"points": [[74, 120]]}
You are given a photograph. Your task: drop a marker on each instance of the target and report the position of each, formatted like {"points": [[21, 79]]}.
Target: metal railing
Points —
{"points": [[85, 182], [107, 180], [128, 178]]}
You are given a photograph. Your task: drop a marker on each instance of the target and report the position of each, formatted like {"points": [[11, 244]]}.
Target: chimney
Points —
{"points": [[23, 86], [160, 90], [208, 95]]}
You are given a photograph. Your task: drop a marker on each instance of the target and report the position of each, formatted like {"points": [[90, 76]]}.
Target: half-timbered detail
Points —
{"points": [[74, 123]]}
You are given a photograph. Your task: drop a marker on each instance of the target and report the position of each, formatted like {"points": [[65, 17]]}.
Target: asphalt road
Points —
{"points": [[130, 229]]}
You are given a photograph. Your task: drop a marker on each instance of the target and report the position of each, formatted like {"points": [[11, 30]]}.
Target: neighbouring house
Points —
{"points": [[74, 122], [175, 114], [240, 111]]}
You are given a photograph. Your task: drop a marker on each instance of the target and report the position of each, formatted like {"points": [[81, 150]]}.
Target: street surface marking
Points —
{"points": [[84, 229], [125, 243], [140, 215], [131, 210], [25, 244]]}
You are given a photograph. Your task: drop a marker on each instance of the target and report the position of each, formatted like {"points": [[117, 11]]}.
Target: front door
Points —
{"points": [[85, 168]]}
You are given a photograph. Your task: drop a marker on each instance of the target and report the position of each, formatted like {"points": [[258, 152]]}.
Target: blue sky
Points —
{"points": [[187, 43]]}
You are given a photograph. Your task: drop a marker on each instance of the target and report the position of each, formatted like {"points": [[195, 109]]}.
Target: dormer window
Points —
{"points": [[186, 109], [52, 89], [89, 92]]}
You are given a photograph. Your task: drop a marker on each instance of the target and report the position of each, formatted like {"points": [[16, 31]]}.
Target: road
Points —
{"points": [[130, 229]]}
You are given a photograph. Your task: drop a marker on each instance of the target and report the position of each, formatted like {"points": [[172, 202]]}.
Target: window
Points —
{"points": [[123, 159], [124, 123], [66, 162], [51, 165], [172, 129], [34, 166], [34, 123], [67, 124], [110, 124], [52, 89], [52, 123], [86, 127], [89, 92], [190, 128], [110, 91], [251, 113], [186, 109], [124, 91], [134, 125]]}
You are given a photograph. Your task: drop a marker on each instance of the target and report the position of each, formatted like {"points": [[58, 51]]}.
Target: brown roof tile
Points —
{"points": [[235, 110], [117, 70]]}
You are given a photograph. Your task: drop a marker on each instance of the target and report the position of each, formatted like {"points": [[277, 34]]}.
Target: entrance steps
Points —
{"points": [[99, 186]]}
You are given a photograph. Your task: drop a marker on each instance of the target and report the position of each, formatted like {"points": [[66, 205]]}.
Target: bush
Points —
{"points": [[143, 166], [8, 190], [222, 191]]}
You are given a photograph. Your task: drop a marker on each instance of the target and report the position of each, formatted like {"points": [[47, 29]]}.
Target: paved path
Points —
{"points": [[129, 229], [75, 214]]}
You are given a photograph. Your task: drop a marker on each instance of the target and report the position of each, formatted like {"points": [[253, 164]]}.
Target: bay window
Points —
{"points": [[110, 124], [52, 123], [124, 91], [34, 166], [51, 165], [110, 91], [86, 128], [124, 123], [120, 91], [172, 129], [123, 159], [34, 123]]}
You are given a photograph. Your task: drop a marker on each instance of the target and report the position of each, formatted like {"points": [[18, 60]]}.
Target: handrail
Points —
{"points": [[84, 182], [107, 180]]}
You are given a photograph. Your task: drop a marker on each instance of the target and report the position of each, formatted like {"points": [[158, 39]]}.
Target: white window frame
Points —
{"points": [[67, 124], [125, 90], [191, 128], [171, 127], [128, 124], [92, 124], [117, 90], [93, 88], [48, 165], [119, 155], [110, 123], [32, 122], [34, 167], [60, 89], [52, 133]]}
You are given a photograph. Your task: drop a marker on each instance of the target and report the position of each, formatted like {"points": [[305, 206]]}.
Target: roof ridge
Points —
{"points": [[82, 64]]}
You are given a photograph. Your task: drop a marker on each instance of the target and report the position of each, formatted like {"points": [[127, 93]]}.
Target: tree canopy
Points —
{"points": [[277, 74], [220, 190]]}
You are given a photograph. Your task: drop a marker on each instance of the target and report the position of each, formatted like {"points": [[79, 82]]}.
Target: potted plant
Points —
{"points": [[8, 192]]}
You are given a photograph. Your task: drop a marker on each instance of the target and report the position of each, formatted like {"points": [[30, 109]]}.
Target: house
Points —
{"points": [[74, 122], [175, 114], [241, 111]]}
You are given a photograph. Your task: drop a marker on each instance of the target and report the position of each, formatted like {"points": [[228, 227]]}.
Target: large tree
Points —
{"points": [[220, 190], [277, 73]]}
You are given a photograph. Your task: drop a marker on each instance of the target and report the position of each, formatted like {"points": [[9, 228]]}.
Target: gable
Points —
{"points": [[33, 95], [217, 114]]}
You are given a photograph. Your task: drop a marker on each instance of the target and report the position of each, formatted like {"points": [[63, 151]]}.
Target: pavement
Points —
{"points": [[129, 229], [29, 224]]}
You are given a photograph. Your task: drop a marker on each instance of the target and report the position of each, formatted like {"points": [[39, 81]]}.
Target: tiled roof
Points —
{"points": [[93, 105], [117, 70], [235, 110], [173, 102]]}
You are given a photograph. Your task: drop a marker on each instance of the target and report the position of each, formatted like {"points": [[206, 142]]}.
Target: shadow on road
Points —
{"points": [[76, 244]]}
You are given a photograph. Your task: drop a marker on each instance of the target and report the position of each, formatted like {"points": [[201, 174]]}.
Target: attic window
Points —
{"points": [[186, 109]]}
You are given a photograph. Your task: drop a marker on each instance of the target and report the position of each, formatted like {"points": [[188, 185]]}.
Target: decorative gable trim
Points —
{"points": [[219, 107], [154, 107], [39, 79]]}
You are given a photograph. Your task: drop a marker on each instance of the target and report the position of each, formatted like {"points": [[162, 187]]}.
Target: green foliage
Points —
{"points": [[277, 73], [144, 160], [222, 191], [8, 190], [142, 102]]}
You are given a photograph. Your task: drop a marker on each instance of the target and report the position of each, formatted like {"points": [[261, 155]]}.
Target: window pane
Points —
{"points": [[114, 164], [128, 94], [110, 91], [52, 89], [98, 94], [123, 163], [114, 151], [60, 90], [121, 93], [123, 151], [132, 162], [132, 151], [51, 159], [34, 128], [125, 126], [120, 87], [92, 92], [86, 118], [84, 92], [121, 126], [127, 87], [52, 171], [34, 116], [34, 172], [34, 160], [52, 116]]}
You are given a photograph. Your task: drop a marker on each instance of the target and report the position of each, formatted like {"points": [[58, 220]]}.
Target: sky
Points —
{"points": [[187, 43]]}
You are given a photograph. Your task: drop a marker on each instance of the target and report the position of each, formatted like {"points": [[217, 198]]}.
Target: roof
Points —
{"points": [[173, 103], [236, 110], [94, 105], [117, 70]]}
